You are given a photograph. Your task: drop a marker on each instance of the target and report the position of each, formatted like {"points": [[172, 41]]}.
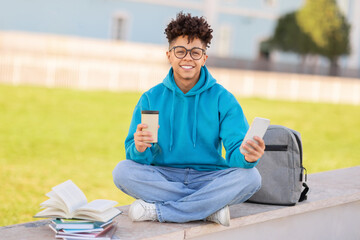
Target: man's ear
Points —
{"points": [[204, 60], [168, 56]]}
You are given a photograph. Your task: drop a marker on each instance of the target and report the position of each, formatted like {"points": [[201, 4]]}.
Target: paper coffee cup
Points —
{"points": [[151, 118]]}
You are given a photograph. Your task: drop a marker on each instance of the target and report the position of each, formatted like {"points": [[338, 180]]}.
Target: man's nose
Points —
{"points": [[188, 56]]}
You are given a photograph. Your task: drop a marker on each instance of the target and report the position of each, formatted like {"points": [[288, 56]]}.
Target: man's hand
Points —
{"points": [[141, 137], [255, 150]]}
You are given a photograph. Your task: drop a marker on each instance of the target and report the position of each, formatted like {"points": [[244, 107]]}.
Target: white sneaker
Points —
{"points": [[221, 217], [142, 211]]}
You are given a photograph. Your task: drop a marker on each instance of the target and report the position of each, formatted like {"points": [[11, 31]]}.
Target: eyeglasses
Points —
{"points": [[181, 52]]}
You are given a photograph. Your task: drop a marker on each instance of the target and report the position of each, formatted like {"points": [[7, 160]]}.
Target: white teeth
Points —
{"points": [[187, 67]]}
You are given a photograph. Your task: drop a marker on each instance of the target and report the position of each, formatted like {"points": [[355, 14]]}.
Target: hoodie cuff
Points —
{"points": [[137, 156], [243, 162], [250, 164]]}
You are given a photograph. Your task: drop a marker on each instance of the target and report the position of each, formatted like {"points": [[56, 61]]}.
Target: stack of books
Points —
{"points": [[75, 218], [82, 229]]}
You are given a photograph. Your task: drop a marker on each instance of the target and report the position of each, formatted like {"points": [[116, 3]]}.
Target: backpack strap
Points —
{"points": [[303, 195]]}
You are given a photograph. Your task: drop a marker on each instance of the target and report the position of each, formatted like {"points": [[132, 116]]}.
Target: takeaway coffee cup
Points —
{"points": [[151, 118]]}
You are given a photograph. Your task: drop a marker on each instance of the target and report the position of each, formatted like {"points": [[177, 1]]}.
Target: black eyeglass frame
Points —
{"points": [[188, 50]]}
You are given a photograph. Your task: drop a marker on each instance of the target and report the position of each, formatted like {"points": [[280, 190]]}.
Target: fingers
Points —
{"points": [[141, 135], [142, 138], [141, 126], [141, 146], [255, 149], [260, 141]]}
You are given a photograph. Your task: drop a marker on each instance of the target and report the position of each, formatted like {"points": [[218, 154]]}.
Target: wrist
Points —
{"points": [[249, 160]]}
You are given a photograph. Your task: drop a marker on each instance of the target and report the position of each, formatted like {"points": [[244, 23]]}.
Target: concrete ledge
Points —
{"points": [[331, 212]]}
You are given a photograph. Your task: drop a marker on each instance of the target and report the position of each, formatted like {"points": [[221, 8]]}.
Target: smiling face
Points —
{"points": [[186, 70]]}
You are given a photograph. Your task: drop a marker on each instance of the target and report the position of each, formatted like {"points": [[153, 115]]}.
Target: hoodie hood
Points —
{"points": [[205, 82]]}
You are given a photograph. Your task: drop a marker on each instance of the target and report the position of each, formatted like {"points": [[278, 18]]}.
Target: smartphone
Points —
{"points": [[258, 128]]}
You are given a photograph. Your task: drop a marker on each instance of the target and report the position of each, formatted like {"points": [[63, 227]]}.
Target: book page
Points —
{"points": [[53, 203], [99, 205], [71, 195], [97, 216], [51, 212], [51, 194]]}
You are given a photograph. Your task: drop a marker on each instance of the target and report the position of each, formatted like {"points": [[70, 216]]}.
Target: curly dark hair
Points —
{"points": [[193, 27]]}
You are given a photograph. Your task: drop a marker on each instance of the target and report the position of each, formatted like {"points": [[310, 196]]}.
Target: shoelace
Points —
{"points": [[150, 212]]}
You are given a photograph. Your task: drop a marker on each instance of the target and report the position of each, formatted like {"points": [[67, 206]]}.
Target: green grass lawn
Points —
{"points": [[50, 135]]}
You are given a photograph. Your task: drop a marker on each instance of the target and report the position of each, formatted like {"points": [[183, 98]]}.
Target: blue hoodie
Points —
{"points": [[193, 126]]}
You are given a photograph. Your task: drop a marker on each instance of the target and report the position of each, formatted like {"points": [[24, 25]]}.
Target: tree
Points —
{"points": [[289, 37], [323, 21]]}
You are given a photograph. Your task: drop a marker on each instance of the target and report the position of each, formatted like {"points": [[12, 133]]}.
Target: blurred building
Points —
{"points": [[239, 26]]}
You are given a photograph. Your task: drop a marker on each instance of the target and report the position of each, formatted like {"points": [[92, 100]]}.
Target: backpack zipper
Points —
{"points": [[276, 148]]}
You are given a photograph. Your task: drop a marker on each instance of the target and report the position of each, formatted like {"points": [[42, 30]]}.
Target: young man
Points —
{"points": [[184, 177]]}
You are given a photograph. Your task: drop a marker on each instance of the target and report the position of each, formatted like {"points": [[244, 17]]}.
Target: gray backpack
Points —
{"points": [[281, 169]]}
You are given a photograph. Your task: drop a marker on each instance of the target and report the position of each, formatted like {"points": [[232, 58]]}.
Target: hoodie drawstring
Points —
{"points": [[195, 119], [172, 121]]}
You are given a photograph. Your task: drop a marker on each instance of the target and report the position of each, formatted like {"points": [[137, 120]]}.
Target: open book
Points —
{"points": [[66, 200]]}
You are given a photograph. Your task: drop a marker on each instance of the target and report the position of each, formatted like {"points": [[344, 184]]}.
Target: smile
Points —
{"points": [[187, 67]]}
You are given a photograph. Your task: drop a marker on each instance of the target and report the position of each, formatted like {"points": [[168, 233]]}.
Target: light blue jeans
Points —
{"points": [[183, 195]]}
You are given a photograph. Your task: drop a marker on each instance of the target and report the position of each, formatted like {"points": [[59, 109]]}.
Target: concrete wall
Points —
{"points": [[332, 223], [55, 61]]}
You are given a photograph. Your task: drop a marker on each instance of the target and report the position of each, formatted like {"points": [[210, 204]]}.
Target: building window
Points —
{"points": [[120, 26], [225, 35]]}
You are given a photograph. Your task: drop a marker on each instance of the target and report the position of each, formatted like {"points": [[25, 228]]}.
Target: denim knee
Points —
{"points": [[120, 173], [251, 179], [256, 179]]}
